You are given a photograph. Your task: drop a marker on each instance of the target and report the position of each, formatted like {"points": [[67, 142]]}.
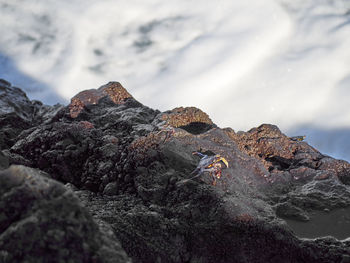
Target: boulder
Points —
{"points": [[190, 119], [113, 90], [42, 221]]}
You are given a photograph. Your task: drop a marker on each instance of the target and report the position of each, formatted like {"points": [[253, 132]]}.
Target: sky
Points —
{"points": [[284, 62]]}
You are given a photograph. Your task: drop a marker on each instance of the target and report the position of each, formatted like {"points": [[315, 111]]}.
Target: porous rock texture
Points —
{"points": [[114, 90], [18, 113], [190, 119], [130, 167]]}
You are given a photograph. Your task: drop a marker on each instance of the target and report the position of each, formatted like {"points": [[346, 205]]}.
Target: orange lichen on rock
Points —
{"points": [[145, 142], [141, 146], [338, 167], [114, 90], [86, 125], [75, 107], [264, 142], [184, 116]]}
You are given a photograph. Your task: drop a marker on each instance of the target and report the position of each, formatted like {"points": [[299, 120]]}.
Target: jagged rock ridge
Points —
{"points": [[128, 164]]}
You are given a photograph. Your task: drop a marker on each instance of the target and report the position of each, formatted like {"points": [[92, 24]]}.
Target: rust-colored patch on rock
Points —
{"points": [[244, 218], [264, 142], [114, 90], [183, 116], [86, 125], [279, 153], [339, 167], [141, 146]]}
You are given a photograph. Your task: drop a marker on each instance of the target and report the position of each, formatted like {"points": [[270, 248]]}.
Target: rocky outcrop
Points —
{"points": [[280, 153], [18, 113], [90, 150], [15, 113], [130, 167], [309, 180], [190, 119], [42, 221], [14, 101], [113, 90]]}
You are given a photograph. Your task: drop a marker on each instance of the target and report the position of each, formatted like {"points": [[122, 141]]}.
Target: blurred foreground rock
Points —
{"points": [[42, 221]]}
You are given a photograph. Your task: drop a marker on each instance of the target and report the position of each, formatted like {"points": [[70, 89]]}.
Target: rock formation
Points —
{"points": [[129, 166]]}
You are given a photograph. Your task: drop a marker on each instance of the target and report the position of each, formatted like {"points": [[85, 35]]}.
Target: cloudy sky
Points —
{"points": [[285, 62]]}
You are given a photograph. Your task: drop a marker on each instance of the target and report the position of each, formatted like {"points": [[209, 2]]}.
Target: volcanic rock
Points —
{"points": [[190, 119], [18, 113], [15, 113], [4, 161], [131, 167], [89, 151], [14, 100], [42, 221], [113, 90]]}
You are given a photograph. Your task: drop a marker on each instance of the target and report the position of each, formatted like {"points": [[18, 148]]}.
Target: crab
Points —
{"points": [[212, 164], [297, 138]]}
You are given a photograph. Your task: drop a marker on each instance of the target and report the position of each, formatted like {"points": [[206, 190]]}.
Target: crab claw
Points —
{"points": [[224, 161], [201, 155]]}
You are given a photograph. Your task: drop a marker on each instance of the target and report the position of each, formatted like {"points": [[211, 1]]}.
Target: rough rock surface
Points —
{"points": [[18, 113], [302, 179], [130, 166], [114, 90], [42, 221], [89, 150], [190, 119]]}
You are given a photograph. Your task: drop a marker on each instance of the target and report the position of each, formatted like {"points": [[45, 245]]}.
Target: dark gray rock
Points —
{"points": [[288, 210], [18, 113], [202, 226], [44, 113], [4, 161], [42, 221], [84, 150], [14, 100], [11, 126], [111, 189]]}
